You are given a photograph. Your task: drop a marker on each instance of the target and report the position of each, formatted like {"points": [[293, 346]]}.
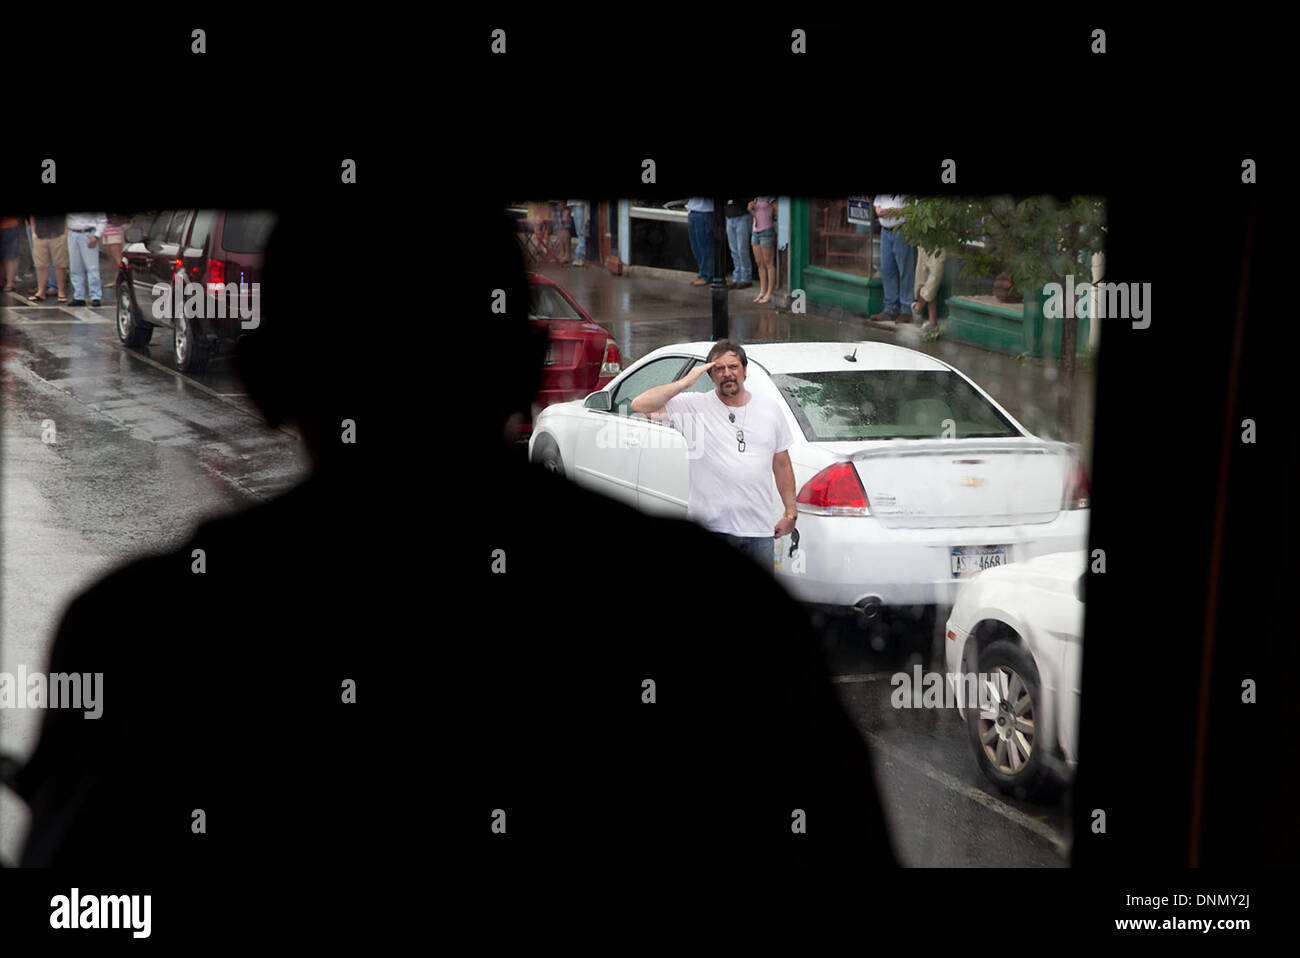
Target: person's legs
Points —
{"points": [[733, 244], [40, 262], [59, 254], [92, 270], [739, 236], [114, 254], [580, 228], [77, 263], [700, 226], [906, 272], [889, 270], [693, 234], [761, 550], [769, 264], [9, 253]]}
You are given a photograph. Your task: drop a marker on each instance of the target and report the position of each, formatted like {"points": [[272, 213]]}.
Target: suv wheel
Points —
{"points": [[1007, 736], [191, 355], [131, 330]]}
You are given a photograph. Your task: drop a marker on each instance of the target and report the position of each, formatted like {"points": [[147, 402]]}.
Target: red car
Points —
{"points": [[581, 356]]}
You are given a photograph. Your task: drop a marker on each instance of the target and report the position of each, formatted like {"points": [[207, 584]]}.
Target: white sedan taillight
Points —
{"points": [[835, 491], [1076, 492]]}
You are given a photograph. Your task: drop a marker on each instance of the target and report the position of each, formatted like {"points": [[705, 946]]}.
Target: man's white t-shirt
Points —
{"points": [[890, 203], [731, 491]]}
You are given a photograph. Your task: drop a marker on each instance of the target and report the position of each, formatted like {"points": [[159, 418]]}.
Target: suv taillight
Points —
{"points": [[1077, 492], [611, 366], [835, 491], [215, 275]]}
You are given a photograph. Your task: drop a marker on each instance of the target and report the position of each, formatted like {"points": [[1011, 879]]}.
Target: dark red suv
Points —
{"points": [[217, 256]]}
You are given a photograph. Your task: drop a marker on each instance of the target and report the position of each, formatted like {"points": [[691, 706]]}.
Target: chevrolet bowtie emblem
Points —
{"points": [[971, 481]]}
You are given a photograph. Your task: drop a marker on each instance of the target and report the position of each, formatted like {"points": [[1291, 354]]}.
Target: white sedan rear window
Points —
{"points": [[889, 404]]}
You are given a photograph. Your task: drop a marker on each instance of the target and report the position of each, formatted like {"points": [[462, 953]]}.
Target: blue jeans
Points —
{"points": [[761, 550], [739, 229], [699, 227], [83, 262], [580, 231], [898, 271]]}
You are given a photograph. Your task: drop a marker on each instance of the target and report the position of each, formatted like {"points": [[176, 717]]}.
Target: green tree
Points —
{"points": [[1037, 239]]}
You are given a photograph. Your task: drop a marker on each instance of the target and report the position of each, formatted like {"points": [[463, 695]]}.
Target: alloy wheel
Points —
{"points": [[1007, 729]]}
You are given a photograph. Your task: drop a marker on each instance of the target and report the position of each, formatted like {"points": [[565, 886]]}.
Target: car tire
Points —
{"points": [[1009, 746], [547, 455], [190, 354], [131, 329]]}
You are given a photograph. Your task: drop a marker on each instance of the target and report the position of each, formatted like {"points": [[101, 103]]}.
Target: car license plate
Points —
{"points": [[967, 560], [550, 354]]}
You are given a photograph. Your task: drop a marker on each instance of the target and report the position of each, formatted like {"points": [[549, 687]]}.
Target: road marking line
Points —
{"points": [[224, 397], [854, 679], [1013, 815]]}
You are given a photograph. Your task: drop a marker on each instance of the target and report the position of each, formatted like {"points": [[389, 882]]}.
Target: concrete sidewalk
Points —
{"points": [[646, 309]]}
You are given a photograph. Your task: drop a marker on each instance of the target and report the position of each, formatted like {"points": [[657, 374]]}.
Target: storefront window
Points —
{"points": [[839, 243]]}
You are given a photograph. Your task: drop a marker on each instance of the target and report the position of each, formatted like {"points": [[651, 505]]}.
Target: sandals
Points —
{"points": [[35, 299]]}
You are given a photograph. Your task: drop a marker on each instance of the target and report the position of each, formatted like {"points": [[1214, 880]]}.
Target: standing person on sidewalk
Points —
{"points": [[740, 228], [737, 444], [563, 230], [50, 249], [10, 231], [764, 240], [929, 274], [897, 259], [699, 227], [85, 230], [578, 213], [113, 246]]}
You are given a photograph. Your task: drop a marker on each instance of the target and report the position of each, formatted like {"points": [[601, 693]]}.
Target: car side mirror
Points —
{"points": [[599, 400], [134, 234]]}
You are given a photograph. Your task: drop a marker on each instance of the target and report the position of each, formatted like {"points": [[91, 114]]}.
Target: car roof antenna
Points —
{"points": [[854, 357]]}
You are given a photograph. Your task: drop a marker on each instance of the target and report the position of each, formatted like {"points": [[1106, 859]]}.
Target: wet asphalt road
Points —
{"points": [[143, 453], [140, 455]]}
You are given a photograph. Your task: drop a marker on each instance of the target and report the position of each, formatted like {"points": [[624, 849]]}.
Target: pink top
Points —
{"points": [[763, 212]]}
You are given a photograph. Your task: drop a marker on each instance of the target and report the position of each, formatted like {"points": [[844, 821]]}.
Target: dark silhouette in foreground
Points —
{"points": [[225, 740]]}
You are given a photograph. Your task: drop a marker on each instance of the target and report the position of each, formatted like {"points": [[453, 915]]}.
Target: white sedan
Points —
{"points": [[910, 477], [1015, 640]]}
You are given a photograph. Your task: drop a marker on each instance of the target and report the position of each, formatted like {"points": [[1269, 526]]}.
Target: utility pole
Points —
{"points": [[721, 321]]}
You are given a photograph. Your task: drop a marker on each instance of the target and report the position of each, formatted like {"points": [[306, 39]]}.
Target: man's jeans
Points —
{"points": [[699, 227], [580, 231], [84, 261], [762, 550], [897, 271], [739, 229]]}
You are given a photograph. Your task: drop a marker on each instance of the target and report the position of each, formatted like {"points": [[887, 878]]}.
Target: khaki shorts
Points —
{"points": [[929, 273], [44, 249]]}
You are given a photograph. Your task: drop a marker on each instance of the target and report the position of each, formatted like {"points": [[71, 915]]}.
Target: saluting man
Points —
{"points": [[738, 442]]}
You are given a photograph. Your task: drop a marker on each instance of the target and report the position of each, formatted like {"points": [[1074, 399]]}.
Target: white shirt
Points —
{"points": [[731, 491], [81, 221], [889, 203]]}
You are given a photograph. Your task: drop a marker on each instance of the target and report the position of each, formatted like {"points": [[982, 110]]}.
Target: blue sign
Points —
{"points": [[860, 209]]}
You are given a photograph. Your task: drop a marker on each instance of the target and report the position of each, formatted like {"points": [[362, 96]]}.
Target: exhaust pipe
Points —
{"points": [[868, 608]]}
